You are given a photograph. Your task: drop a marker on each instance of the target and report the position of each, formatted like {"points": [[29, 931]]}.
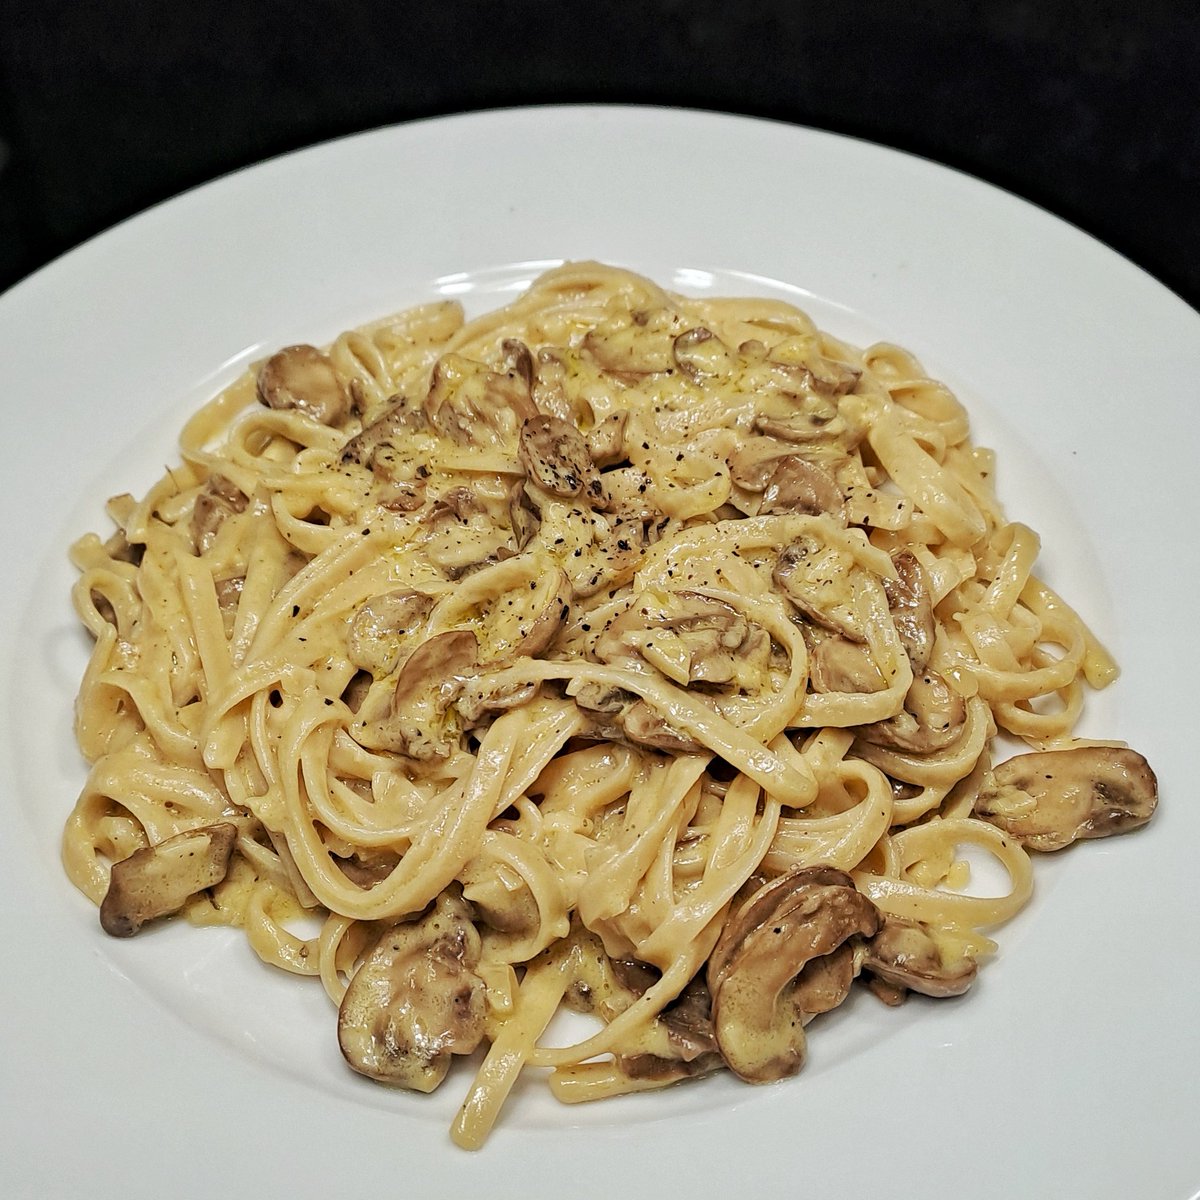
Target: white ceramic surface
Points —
{"points": [[176, 1065]]}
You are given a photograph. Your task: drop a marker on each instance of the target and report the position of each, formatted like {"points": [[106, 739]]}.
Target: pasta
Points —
{"points": [[638, 655]]}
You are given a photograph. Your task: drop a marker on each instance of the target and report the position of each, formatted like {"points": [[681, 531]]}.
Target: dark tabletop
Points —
{"points": [[1091, 110]]}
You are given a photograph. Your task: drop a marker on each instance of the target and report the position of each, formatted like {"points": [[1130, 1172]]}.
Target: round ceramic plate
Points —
{"points": [[176, 1064]]}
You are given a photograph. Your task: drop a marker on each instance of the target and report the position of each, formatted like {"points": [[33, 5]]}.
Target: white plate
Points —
{"points": [[176, 1065]]}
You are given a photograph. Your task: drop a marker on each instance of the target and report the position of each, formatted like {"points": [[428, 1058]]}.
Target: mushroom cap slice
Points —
{"points": [[1048, 799], [932, 718], [219, 500], [416, 1000], [767, 973], [159, 880], [911, 956], [555, 457], [700, 354], [303, 378], [817, 578], [472, 405], [799, 486], [378, 627], [837, 664], [420, 722]]}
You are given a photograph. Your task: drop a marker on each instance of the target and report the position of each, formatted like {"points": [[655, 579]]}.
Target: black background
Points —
{"points": [[1091, 110]]}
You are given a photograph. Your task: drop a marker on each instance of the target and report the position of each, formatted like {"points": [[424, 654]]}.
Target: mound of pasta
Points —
{"points": [[614, 651]]}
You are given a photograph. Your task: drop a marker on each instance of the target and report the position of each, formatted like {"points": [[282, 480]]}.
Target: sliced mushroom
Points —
{"points": [[932, 718], [481, 699], [817, 577], [700, 354], [642, 724], [159, 880], [642, 348], [606, 440], [756, 972], [837, 664], [690, 638], [464, 534], [811, 424], [555, 456], [753, 463], [219, 500], [912, 608], [518, 360], [416, 1000], [366, 867], [376, 446], [303, 378], [691, 1043], [549, 606], [401, 497], [229, 596], [1051, 798], [909, 956], [420, 721], [831, 377], [799, 486], [470, 404], [378, 629], [549, 387]]}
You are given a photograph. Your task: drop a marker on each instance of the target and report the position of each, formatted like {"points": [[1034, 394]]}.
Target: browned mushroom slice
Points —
{"points": [[838, 665], [218, 501], [1049, 799], [753, 463], [549, 387], [799, 486], [910, 957], [401, 497], [517, 360], [692, 638], [912, 608], [301, 377], [806, 426], [365, 868], [691, 1045], [470, 404], [421, 722], [481, 699], [932, 718], [159, 880], [229, 596], [416, 1000], [757, 970], [642, 348], [642, 724], [816, 578], [378, 628], [547, 610], [555, 457], [463, 533], [832, 378], [377, 445], [610, 561], [700, 354], [606, 440]]}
